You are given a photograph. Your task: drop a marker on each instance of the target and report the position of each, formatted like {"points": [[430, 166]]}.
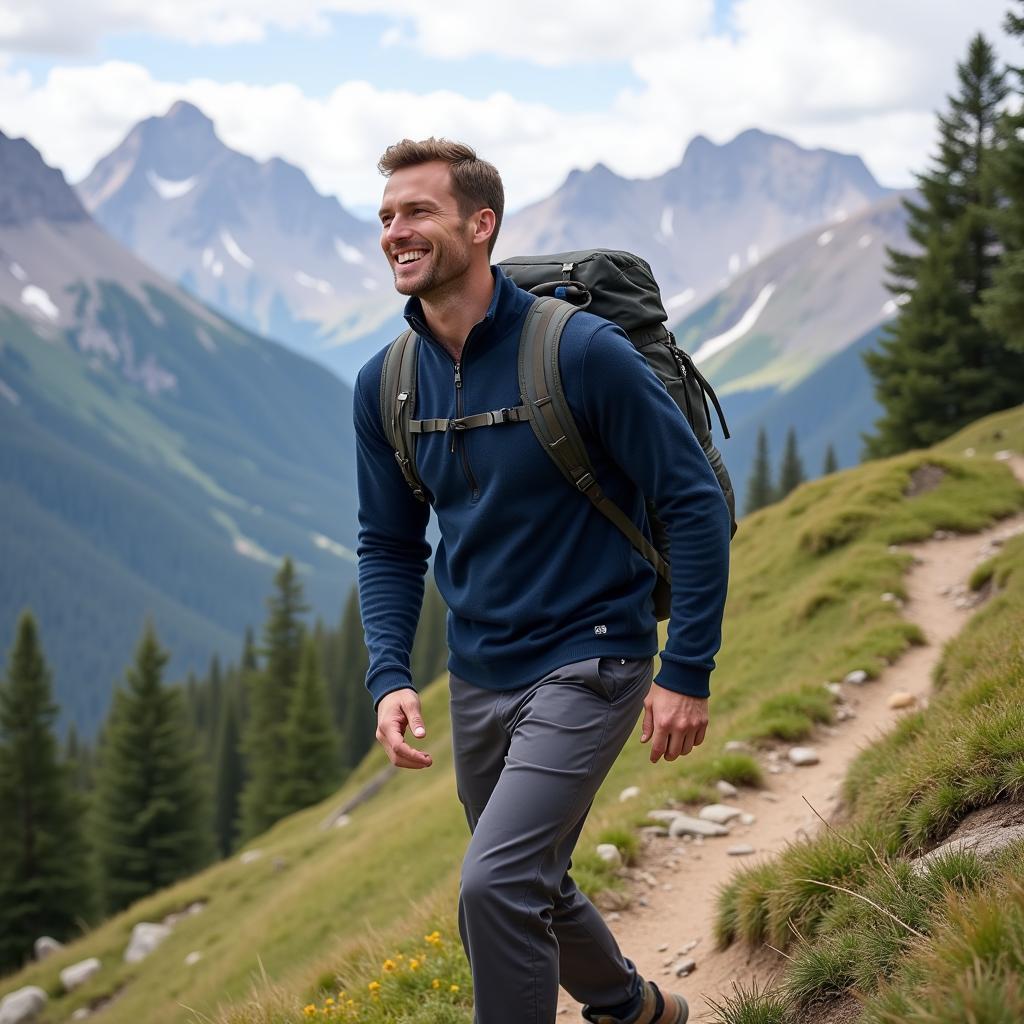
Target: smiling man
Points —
{"points": [[551, 626]]}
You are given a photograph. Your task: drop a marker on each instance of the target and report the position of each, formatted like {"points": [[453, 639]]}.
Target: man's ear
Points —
{"points": [[485, 222]]}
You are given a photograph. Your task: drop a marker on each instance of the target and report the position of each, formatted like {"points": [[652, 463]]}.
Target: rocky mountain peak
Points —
{"points": [[31, 189]]}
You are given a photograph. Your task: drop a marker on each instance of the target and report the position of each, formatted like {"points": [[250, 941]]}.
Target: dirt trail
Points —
{"points": [[681, 905]]}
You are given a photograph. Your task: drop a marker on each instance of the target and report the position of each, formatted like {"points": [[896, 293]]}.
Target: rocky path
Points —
{"points": [[675, 885]]}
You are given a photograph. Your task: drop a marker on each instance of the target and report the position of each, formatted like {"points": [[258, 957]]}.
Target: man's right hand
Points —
{"points": [[396, 712]]}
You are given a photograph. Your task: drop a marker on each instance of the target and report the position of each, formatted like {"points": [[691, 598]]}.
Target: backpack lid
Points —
{"points": [[619, 285]]}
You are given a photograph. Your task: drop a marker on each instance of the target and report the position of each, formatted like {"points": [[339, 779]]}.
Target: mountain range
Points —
{"points": [[155, 458]]}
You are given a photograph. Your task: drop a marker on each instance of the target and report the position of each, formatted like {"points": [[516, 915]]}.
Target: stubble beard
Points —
{"points": [[448, 265]]}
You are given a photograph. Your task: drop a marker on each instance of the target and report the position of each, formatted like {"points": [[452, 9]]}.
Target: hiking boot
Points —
{"points": [[656, 1008]]}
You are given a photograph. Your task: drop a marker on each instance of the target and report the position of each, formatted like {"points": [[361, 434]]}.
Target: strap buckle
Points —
{"points": [[503, 415], [585, 482]]}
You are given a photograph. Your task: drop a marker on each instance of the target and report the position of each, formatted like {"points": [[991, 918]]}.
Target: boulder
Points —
{"points": [[609, 853], [145, 938], [45, 945], [22, 1005], [803, 756], [727, 789], [78, 974], [684, 825], [629, 793], [985, 832], [901, 699], [856, 678], [720, 814]]}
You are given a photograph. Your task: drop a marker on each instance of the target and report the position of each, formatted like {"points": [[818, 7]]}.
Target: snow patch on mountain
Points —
{"points": [[349, 253], [863, 242], [890, 306], [167, 189], [37, 298], [332, 546], [234, 250], [745, 323], [825, 237], [753, 254], [680, 299], [316, 283], [665, 229], [19, 271], [734, 263], [6, 391]]}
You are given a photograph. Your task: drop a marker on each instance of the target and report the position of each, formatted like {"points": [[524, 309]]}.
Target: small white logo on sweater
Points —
{"points": [[600, 630]]}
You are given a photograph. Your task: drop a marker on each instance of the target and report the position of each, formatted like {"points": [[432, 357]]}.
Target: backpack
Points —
{"points": [[617, 286]]}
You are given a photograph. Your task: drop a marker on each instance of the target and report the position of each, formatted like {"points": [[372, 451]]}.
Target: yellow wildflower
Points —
{"points": [[388, 965], [414, 964], [373, 986], [310, 1010], [329, 1001], [453, 988], [436, 983]]}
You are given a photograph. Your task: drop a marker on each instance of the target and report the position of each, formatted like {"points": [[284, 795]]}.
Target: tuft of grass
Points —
{"points": [[823, 969], [751, 1005], [738, 768]]}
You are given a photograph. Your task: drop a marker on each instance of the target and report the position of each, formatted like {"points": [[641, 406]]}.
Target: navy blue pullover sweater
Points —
{"points": [[533, 575]]}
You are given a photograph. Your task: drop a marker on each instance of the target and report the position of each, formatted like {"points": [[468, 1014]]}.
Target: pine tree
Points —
{"points": [[311, 753], [229, 773], [791, 472], [938, 368], [352, 705], [264, 799], [1002, 305], [760, 491], [151, 806], [831, 462], [44, 885]]}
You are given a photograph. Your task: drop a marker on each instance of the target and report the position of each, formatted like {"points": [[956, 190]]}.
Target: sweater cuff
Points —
{"points": [[387, 682], [688, 679]]}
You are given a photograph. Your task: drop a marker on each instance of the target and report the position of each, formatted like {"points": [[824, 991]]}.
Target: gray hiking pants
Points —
{"points": [[528, 763]]}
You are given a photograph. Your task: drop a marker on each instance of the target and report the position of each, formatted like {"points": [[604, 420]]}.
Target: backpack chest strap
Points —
{"points": [[479, 419]]}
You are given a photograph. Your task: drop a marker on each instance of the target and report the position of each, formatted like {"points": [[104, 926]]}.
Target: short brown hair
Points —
{"points": [[476, 184]]}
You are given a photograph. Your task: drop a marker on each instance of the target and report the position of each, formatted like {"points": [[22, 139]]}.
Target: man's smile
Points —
{"points": [[410, 256]]}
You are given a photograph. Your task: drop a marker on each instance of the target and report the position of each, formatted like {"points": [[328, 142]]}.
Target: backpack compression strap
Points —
{"points": [[540, 384]]}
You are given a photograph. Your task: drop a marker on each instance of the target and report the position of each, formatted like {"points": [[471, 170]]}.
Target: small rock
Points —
{"points": [[684, 967], [969, 452], [746, 818], [858, 677], [654, 831], [613, 916], [894, 549], [738, 747], [888, 597], [727, 789], [663, 947], [1003, 456], [901, 699], [609, 853], [45, 945], [685, 825], [667, 815], [145, 938], [721, 814], [803, 756], [196, 908], [629, 793], [78, 974], [22, 1005], [341, 820], [193, 958], [81, 1013], [741, 850], [835, 689], [687, 947], [249, 856], [767, 794], [844, 714], [642, 900], [667, 887]]}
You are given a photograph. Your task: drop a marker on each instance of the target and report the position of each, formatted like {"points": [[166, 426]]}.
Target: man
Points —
{"points": [[551, 629]]}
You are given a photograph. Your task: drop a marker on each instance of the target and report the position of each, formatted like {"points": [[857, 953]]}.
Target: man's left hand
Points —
{"points": [[674, 722]]}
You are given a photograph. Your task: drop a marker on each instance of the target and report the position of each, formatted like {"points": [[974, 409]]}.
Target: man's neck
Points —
{"points": [[452, 313]]}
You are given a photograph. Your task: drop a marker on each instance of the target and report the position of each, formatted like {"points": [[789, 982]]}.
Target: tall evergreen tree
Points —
{"points": [[1002, 305], [760, 491], [311, 752], [791, 472], [938, 367], [229, 773], [831, 462], [151, 805], [264, 798], [44, 886]]}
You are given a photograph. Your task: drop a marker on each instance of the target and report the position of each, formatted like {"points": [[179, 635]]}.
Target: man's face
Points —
{"points": [[423, 234]]}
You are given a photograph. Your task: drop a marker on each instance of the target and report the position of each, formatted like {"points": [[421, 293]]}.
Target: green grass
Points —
{"points": [[947, 945], [801, 611]]}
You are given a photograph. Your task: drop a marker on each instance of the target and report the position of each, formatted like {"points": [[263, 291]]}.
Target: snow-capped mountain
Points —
{"points": [[254, 240]]}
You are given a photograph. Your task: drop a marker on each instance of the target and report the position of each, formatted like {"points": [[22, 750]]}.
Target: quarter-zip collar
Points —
{"points": [[508, 302]]}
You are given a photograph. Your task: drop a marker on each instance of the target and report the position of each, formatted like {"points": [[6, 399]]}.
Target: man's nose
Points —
{"points": [[396, 229]]}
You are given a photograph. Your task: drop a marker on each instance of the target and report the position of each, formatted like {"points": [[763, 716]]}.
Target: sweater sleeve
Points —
{"points": [[646, 434], [392, 546]]}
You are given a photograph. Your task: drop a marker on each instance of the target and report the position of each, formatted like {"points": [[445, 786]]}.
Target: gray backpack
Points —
{"points": [[617, 286]]}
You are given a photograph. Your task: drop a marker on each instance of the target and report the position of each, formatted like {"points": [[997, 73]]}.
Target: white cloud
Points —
{"points": [[862, 78]]}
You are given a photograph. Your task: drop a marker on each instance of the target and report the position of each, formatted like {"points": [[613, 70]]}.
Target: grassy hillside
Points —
{"points": [[804, 606]]}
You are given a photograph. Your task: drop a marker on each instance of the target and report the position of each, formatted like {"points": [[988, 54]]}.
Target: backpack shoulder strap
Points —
{"points": [[397, 401], [540, 384]]}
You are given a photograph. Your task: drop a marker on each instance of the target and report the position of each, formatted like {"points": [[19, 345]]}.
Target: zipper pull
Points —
{"points": [[458, 387], [458, 376]]}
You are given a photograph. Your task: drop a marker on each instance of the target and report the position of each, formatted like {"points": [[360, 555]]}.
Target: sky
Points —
{"points": [[538, 88]]}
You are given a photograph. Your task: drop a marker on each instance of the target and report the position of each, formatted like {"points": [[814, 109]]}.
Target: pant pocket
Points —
{"points": [[623, 677]]}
